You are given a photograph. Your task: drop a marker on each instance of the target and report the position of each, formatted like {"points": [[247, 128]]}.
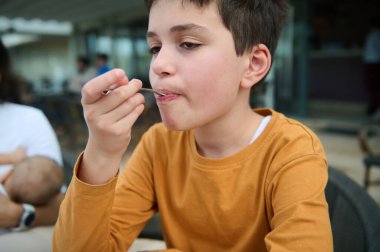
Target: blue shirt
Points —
{"points": [[103, 69]]}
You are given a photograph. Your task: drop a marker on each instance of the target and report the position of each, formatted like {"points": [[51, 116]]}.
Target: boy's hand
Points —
{"points": [[109, 120]]}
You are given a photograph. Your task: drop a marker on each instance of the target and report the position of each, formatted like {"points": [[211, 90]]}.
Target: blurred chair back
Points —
{"points": [[363, 141], [69, 160], [354, 215], [370, 159]]}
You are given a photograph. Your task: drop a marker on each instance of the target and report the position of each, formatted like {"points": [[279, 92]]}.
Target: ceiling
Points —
{"points": [[74, 11]]}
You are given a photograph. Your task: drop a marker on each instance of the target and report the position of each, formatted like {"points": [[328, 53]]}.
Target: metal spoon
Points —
{"points": [[109, 90]]}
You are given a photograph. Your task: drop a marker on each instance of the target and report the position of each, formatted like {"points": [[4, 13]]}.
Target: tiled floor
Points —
{"points": [[338, 133]]}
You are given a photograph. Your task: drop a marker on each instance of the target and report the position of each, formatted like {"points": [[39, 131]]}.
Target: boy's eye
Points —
{"points": [[154, 49], [189, 45]]}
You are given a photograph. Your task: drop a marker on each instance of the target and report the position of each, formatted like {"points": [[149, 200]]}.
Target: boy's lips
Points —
{"points": [[169, 95], [165, 91]]}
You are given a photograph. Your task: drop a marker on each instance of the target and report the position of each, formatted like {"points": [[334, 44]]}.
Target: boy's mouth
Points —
{"points": [[169, 95]]}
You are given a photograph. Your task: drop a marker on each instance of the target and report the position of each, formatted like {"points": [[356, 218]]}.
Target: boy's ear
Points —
{"points": [[259, 63]]}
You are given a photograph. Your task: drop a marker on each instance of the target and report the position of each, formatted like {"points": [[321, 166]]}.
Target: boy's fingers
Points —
{"points": [[129, 120], [125, 91], [93, 89]]}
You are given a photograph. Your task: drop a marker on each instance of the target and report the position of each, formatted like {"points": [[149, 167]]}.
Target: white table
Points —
{"points": [[39, 240]]}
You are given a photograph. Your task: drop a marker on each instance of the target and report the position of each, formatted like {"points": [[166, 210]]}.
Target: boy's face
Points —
{"points": [[195, 62]]}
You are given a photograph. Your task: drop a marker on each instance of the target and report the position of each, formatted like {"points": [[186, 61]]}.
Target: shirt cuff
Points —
{"points": [[88, 189]]}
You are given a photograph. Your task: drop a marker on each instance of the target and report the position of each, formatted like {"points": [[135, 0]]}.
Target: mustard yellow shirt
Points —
{"points": [[268, 197]]}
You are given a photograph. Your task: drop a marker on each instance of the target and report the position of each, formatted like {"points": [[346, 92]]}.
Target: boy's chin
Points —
{"points": [[171, 126], [174, 125]]}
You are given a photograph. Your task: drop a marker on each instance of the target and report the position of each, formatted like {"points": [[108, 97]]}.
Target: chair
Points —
{"points": [[69, 159], [354, 215], [370, 158], [152, 229]]}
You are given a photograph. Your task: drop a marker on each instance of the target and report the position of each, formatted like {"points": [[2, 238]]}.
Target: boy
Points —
{"points": [[224, 177]]}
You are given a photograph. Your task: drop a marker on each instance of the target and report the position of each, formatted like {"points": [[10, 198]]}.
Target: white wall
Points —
{"points": [[49, 58]]}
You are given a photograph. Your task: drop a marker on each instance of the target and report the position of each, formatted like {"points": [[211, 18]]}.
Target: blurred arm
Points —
{"points": [[12, 157], [10, 212]]}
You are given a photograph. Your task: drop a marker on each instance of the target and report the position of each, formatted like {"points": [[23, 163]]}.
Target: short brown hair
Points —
{"points": [[251, 22], [35, 180]]}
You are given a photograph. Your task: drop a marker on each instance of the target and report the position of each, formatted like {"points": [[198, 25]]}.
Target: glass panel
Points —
{"points": [[123, 55]]}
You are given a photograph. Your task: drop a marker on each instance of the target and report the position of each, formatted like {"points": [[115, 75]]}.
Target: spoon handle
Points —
{"points": [[153, 91], [109, 90]]}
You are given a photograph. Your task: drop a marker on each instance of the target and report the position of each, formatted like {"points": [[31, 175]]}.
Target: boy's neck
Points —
{"points": [[224, 139]]}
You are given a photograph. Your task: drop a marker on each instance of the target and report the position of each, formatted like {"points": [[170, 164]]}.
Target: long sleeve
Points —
{"points": [[83, 220], [92, 219], [298, 209], [295, 189]]}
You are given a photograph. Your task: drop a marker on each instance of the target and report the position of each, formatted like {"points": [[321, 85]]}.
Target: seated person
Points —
{"points": [[28, 128], [222, 176], [102, 63], [84, 74]]}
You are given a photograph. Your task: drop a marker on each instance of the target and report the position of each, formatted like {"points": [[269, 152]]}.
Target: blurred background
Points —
{"points": [[318, 76]]}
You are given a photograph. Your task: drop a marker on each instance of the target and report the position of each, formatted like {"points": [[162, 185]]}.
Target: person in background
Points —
{"points": [[222, 176], [84, 74], [371, 58], [26, 129], [102, 64]]}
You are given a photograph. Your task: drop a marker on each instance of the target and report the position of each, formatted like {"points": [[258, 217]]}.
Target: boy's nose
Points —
{"points": [[162, 63]]}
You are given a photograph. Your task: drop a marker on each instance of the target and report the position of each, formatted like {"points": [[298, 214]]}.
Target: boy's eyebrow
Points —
{"points": [[181, 28]]}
